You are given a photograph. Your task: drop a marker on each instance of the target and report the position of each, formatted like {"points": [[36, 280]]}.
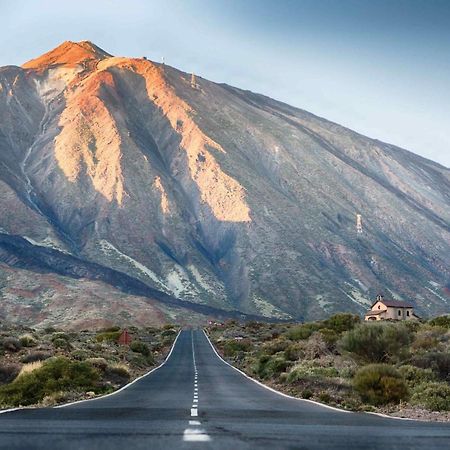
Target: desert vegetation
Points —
{"points": [[398, 368], [49, 366]]}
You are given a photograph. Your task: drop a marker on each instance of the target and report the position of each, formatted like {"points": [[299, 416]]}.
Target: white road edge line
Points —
{"points": [[194, 412], [127, 385], [4, 411], [295, 398]]}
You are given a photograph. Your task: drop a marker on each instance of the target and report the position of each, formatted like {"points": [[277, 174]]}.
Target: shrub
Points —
{"points": [[275, 346], [108, 336], [270, 366], [117, 373], [441, 321], [35, 356], [341, 322], [315, 347], [329, 336], [140, 347], [169, 332], [60, 335], [439, 362], [99, 363], [379, 384], [30, 367], [62, 343], [428, 339], [231, 347], [301, 332], [11, 344], [8, 372], [307, 394], [27, 340], [415, 375], [294, 352], [433, 396], [56, 374], [374, 343], [302, 372]]}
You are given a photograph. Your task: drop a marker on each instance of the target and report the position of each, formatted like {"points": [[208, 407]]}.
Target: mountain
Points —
{"points": [[129, 172]]}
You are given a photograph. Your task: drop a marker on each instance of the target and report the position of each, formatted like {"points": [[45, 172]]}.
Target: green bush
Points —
{"points": [[433, 396], [380, 384], [441, 321], [8, 372], [35, 356], [55, 375], [231, 347], [11, 344], [330, 337], [27, 340], [293, 352], [301, 332], [275, 346], [140, 347], [415, 375], [112, 329], [439, 362], [311, 372], [62, 343], [108, 336], [341, 322], [60, 335], [270, 366], [376, 343]]}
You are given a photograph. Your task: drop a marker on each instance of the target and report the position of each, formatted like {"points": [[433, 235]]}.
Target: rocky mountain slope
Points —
{"points": [[209, 194]]}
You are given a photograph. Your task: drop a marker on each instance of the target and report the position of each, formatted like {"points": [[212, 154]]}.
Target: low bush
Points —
{"points": [[301, 372], [140, 347], [380, 384], [99, 363], [27, 340], [441, 321], [341, 322], [117, 373], [62, 344], [416, 375], [439, 362], [231, 347], [330, 337], [56, 374], [60, 335], [8, 372], [301, 332], [294, 352], [433, 396], [315, 347], [377, 343], [30, 367], [11, 344], [35, 356], [270, 366], [108, 336]]}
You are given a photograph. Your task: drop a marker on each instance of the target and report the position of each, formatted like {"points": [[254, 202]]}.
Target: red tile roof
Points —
{"points": [[394, 303]]}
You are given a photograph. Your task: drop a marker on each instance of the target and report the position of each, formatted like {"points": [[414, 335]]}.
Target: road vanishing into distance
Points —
{"points": [[196, 400]]}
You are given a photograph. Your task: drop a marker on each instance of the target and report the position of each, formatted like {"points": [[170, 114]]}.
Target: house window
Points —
{"points": [[399, 312], [379, 306], [407, 313]]}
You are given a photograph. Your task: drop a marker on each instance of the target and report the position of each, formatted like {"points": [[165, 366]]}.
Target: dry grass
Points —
{"points": [[29, 367]]}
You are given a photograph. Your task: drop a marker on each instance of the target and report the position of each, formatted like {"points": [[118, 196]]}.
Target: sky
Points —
{"points": [[379, 67]]}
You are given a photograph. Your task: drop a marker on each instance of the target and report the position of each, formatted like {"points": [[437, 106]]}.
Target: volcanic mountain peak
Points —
{"points": [[208, 193], [69, 54]]}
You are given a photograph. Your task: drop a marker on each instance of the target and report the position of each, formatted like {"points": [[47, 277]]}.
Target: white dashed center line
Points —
{"points": [[194, 433]]}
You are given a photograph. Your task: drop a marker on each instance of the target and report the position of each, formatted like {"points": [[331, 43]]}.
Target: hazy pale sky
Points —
{"points": [[380, 67]]}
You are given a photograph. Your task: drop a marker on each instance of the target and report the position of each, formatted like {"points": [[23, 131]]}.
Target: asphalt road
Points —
{"points": [[195, 400]]}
